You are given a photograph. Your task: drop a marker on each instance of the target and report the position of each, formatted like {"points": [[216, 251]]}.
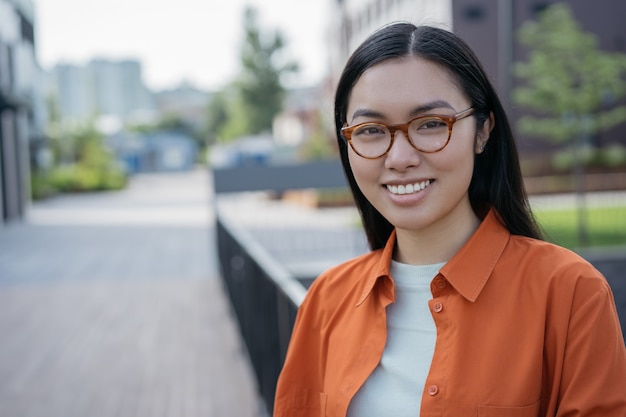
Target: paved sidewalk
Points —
{"points": [[111, 305]]}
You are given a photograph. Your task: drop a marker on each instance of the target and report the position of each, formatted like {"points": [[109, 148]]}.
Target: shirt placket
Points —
{"points": [[435, 386]]}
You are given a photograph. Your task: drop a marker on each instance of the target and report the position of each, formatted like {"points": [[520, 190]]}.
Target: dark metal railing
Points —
{"points": [[265, 298]]}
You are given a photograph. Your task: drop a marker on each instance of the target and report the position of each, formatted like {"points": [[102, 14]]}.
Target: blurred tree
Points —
{"points": [[573, 88], [173, 121], [216, 116], [62, 144], [321, 143], [226, 116], [166, 122], [259, 84], [249, 104]]}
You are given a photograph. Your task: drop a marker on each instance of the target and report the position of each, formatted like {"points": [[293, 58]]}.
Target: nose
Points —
{"points": [[402, 154]]}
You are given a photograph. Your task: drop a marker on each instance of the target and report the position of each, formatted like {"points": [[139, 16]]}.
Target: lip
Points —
{"points": [[398, 181]]}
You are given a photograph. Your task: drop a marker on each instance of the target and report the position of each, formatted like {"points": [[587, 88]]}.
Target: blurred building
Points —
{"points": [[186, 102], [259, 149], [101, 88], [21, 106], [298, 122], [163, 151]]}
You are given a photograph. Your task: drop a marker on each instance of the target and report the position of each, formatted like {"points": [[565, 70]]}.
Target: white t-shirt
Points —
{"points": [[395, 387]]}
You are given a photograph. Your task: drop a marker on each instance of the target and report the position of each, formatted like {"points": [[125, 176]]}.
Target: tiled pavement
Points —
{"points": [[111, 305]]}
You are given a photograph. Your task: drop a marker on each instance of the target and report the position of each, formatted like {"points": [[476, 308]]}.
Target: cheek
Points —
{"points": [[455, 164], [365, 171], [457, 157], [460, 153], [356, 166]]}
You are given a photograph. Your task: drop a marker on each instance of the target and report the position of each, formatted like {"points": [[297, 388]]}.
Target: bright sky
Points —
{"points": [[194, 40]]}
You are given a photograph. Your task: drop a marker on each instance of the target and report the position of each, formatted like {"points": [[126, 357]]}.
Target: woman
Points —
{"points": [[459, 309]]}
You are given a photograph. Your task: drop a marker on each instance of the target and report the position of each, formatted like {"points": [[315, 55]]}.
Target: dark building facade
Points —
{"points": [[20, 105], [490, 27]]}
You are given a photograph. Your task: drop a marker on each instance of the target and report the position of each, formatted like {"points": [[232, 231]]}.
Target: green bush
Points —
{"points": [[614, 156], [88, 166], [41, 186], [610, 157], [79, 177], [565, 160]]}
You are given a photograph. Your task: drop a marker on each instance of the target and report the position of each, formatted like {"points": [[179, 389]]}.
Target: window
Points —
{"points": [[537, 8], [474, 13]]}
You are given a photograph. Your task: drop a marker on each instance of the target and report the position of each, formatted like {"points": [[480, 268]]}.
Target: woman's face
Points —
{"points": [[435, 196]]}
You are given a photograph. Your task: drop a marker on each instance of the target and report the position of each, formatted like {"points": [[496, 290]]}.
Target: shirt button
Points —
{"points": [[441, 283], [433, 390], [437, 307]]}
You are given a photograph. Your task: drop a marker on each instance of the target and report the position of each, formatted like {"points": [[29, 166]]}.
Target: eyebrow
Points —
{"points": [[415, 112]]}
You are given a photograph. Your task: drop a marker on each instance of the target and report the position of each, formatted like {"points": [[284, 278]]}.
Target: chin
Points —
{"points": [[414, 223]]}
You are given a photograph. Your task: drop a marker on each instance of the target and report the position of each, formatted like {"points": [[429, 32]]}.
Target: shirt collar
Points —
{"points": [[467, 271], [470, 268], [380, 270]]}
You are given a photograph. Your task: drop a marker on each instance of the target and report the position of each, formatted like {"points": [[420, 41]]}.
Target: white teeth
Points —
{"points": [[409, 188]]}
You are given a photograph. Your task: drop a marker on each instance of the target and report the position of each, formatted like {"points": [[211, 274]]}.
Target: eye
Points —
{"points": [[432, 124], [428, 125], [370, 130]]}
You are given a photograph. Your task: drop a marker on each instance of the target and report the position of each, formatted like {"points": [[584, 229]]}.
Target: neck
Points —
{"points": [[435, 244]]}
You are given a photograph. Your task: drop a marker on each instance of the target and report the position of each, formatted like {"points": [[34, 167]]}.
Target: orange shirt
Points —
{"points": [[524, 328]]}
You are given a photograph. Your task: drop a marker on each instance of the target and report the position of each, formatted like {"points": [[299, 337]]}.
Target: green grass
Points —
{"points": [[606, 226]]}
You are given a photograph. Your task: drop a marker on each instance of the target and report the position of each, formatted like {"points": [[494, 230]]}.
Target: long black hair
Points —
{"points": [[497, 180]]}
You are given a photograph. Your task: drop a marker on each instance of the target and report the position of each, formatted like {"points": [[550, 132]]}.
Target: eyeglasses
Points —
{"points": [[428, 134]]}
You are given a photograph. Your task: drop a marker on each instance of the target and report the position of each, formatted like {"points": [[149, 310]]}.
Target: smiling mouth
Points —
{"points": [[408, 188]]}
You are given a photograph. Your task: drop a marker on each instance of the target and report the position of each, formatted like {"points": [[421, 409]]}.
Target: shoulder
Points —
{"points": [[556, 268], [537, 254]]}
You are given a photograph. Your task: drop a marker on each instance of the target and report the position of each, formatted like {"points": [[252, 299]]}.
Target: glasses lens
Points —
{"points": [[371, 140], [429, 134]]}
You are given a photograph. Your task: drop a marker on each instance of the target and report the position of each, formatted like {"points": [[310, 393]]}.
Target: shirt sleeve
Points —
{"points": [[298, 391], [594, 367]]}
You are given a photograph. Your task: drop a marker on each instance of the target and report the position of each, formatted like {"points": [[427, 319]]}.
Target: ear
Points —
{"points": [[482, 135]]}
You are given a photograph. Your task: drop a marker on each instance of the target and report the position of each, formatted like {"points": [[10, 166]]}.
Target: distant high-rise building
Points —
{"points": [[100, 88], [71, 90]]}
